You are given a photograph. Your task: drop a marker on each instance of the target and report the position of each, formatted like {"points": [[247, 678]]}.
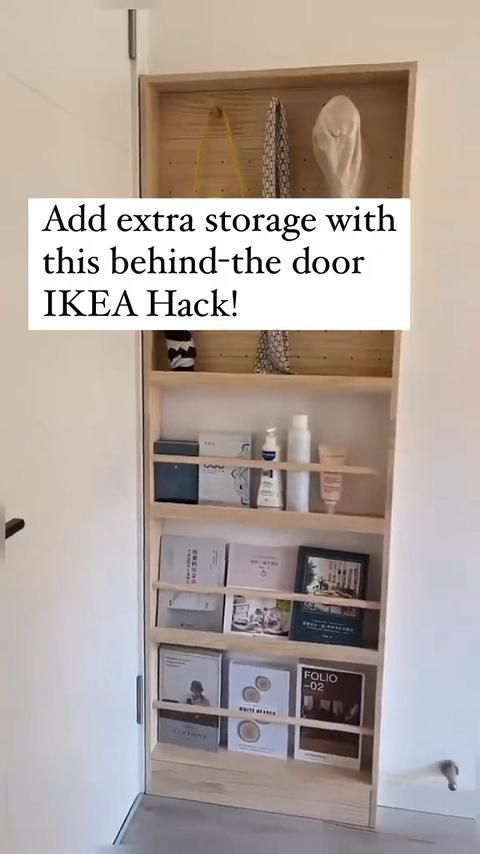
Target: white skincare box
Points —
{"points": [[258, 690], [219, 484]]}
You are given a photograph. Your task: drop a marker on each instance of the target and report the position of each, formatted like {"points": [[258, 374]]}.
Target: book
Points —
{"points": [[336, 696], [257, 689], [191, 677], [219, 484], [193, 561], [265, 568], [337, 574]]}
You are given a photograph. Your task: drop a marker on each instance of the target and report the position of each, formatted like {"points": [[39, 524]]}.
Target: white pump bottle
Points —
{"points": [[299, 451]]}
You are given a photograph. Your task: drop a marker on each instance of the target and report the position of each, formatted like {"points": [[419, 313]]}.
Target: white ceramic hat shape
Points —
{"points": [[337, 146]]}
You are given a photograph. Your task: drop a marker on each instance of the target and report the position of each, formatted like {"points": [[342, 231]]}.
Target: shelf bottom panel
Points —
{"points": [[286, 786]]}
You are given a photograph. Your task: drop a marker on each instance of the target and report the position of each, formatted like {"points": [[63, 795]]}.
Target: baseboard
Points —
{"points": [[127, 820], [434, 798]]}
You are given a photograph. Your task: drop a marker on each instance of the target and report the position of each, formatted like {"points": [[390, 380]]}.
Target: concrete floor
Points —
{"points": [[168, 826]]}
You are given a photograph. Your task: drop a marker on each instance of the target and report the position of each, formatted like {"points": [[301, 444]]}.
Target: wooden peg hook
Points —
{"points": [[215, 110]]}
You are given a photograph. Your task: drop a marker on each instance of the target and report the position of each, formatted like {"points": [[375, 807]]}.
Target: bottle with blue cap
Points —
{"points": [[270, 487]]}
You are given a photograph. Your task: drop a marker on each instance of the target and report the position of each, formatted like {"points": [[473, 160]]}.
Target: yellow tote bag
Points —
{"points": [[180, 345], [217, 113]]}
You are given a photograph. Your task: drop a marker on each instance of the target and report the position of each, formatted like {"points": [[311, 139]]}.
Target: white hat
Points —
{"points": [[337, 146]]}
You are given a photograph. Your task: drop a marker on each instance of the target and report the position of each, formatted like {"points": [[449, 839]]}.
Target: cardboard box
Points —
{"points": [[220, 484]]}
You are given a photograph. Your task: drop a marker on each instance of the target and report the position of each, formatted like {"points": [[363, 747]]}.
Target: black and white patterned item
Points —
{"points": [[272, 348], [276, 155], [181, 351]]}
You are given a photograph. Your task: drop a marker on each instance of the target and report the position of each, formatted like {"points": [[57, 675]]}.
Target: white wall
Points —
{"points": [[70, 748], [431, 691]]}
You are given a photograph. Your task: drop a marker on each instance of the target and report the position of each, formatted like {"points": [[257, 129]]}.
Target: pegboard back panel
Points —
{"points": [[174, 111], [366, 354], [177, 119]]}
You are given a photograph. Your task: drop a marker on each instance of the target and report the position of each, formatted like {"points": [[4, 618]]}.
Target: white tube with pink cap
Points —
{"points": [[331, 482]]}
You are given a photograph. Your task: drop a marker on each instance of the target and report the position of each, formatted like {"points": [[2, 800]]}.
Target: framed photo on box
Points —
{"points": [[336, 574]]}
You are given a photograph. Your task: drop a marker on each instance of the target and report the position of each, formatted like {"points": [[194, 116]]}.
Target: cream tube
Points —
{"points": [[331, 482]]}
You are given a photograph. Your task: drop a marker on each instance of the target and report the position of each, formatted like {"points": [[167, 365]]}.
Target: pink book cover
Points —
{"points": [[262, 568], [265, 567]]}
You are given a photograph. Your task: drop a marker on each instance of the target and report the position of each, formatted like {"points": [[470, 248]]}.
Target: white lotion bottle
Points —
{"points": [[270, 486], [299, 451]]}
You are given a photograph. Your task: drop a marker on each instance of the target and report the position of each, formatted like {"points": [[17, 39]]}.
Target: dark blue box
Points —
{"points": [[176, 482]]}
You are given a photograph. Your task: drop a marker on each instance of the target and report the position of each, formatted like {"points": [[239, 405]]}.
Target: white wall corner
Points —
{"points": [[428, 794]]}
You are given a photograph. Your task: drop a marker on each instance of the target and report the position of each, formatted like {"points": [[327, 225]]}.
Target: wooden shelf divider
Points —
{"points": [[257, 593], [237, 714], [268, 647], [285, 519], [260, 464], [315, 383]]}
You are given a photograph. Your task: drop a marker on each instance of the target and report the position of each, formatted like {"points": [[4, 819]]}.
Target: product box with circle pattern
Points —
{"points": [[258, 690], [220, 484]]}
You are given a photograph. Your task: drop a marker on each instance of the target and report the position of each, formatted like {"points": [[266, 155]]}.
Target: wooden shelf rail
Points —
{"points": [[262, 464], [256, 593], [184, 708]]}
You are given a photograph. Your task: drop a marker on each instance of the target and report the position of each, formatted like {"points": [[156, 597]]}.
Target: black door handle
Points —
{"points": [[13, 526]]}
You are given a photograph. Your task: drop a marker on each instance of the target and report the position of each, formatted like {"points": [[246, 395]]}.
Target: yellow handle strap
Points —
{"points": [[203, 146]]}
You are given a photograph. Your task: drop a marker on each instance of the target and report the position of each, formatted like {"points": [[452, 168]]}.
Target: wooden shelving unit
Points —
{"points": [[351, 373]]}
